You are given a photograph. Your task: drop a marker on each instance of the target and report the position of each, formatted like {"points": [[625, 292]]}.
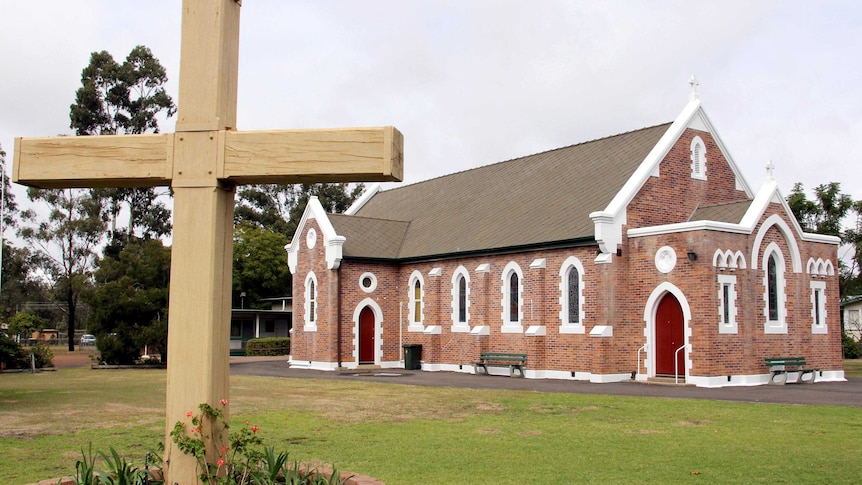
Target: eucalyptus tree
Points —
{"points": [[125, 98]]}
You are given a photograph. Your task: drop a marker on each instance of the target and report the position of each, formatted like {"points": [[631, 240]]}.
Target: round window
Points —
{"points": [[311, 238], [368, 282]]}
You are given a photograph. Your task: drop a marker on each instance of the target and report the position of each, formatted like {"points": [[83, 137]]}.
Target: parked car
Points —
{"points": [[88, 339]]}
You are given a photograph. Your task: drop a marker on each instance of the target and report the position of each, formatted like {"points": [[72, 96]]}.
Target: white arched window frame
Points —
{"points": [[572, 312], [775, 290], [310, 293], [698, 158], [461, 300], [513, 299], [416, 302]]}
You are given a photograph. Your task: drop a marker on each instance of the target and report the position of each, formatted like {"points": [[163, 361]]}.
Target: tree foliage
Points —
{"points": [[125, 98], [66, 240], [25, 323], [280, 207], [825, 215], [130, 301], [259, 265]]}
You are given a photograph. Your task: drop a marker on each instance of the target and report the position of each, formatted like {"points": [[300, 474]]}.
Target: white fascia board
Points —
{"points": [[610, 220], [652, 160], [687, 227], [770, 192], [363, 199], [741, 182], [332, 241]]}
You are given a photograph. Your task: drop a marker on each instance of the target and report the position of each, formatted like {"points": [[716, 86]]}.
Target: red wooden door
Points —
{"points": [[366, 336], [668, 337]]}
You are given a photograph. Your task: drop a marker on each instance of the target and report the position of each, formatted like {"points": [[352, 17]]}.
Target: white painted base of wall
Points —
{"points": [[308, 364]]}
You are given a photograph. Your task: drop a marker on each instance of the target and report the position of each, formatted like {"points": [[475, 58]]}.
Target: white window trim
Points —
{"points": [[729, 327], [818, 327], [373, 279], [460, 327], [510, 326], [310, 320], [698, 164], [774, 326], [565, 325], [412, 324]]}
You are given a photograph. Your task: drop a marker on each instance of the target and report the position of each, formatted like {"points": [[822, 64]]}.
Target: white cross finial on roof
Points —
{"points": [[770, 170], [693, 83]]}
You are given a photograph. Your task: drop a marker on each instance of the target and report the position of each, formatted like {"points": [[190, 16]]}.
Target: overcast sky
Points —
{"points": [[476, 82]]}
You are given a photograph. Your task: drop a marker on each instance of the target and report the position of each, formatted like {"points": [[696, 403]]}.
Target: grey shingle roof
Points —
{"points": [[731, 212], [535, 200]]}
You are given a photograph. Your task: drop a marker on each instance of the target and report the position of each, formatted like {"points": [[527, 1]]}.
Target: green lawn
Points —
{"points": [[420, 435]]}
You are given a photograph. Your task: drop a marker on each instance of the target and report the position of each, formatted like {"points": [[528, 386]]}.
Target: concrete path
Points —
{"points": [[830, 393]]}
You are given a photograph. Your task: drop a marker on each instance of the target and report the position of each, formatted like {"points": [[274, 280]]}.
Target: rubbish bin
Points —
{"points": [[413, 357]]}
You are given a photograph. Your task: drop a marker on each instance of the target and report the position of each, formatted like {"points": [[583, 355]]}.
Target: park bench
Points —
{"points": [[779, 367], [514, 361]]}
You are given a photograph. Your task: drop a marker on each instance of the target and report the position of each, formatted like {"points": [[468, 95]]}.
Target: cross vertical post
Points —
{"points": [[201, 256]]}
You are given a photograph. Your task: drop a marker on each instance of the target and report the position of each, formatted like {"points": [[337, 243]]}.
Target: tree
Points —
{"points": [[280, 207], [824, 215], [125, 98], [25, 323], [259, 266], [19, 283], [130, 300], [66, 241]]}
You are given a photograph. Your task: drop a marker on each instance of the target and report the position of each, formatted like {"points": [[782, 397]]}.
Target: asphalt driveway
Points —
{"points": [[830, 393]]}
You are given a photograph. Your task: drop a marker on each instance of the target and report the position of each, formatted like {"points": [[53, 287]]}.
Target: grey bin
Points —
{"points": [[413, 357]]}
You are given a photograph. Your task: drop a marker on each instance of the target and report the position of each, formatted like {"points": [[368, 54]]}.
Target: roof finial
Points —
{"points": [[770, 171], [693, 82]]}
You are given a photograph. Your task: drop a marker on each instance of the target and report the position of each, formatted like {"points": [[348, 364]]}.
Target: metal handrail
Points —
{"points": [[676, 364], [644, 348]]}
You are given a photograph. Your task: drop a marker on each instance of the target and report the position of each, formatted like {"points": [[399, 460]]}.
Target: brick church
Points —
{"points": [[635, 256]]}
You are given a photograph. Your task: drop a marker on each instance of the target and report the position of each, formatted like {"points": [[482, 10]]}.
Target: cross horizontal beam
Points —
{"points": [[242, 157]]}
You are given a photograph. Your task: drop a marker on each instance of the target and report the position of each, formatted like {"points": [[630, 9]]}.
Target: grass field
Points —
{"points": [[420, 435]]}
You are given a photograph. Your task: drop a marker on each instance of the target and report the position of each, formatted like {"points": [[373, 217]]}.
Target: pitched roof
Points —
{"points": [[368, 237], [535, 200], [731, 212]]}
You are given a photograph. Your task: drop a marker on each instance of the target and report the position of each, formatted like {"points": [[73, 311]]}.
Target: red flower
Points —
{"points": [[254, 429], [220, 462], [223, 402], [189, 414], [224, 448], [247, 423], [196, 429]]}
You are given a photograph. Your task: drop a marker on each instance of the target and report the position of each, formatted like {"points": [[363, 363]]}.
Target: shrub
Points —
{"points": [[43, 354], [852, 348], [268, 346], [11, 354]]}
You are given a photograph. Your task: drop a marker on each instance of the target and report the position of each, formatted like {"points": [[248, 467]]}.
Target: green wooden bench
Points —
{"points": [[514, 361], [779, 367]]}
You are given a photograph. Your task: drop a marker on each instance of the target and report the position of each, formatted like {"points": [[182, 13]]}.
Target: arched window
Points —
{"points": [[774, 295], [772, 287], [462, 299], [417, 302], [310, 295], [514, 298], [415, 297], [698, 158], [513, 288], [572, 296]]}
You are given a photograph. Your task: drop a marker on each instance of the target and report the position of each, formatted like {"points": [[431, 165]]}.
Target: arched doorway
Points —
{"points": [[669, 337], [366, 336]]}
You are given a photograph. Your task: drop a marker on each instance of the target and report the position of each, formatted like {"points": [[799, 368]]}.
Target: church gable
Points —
{"points": [[694, 173]]}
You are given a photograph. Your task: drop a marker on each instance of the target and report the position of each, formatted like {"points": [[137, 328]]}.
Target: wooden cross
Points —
{"points": [[203, 162]]}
